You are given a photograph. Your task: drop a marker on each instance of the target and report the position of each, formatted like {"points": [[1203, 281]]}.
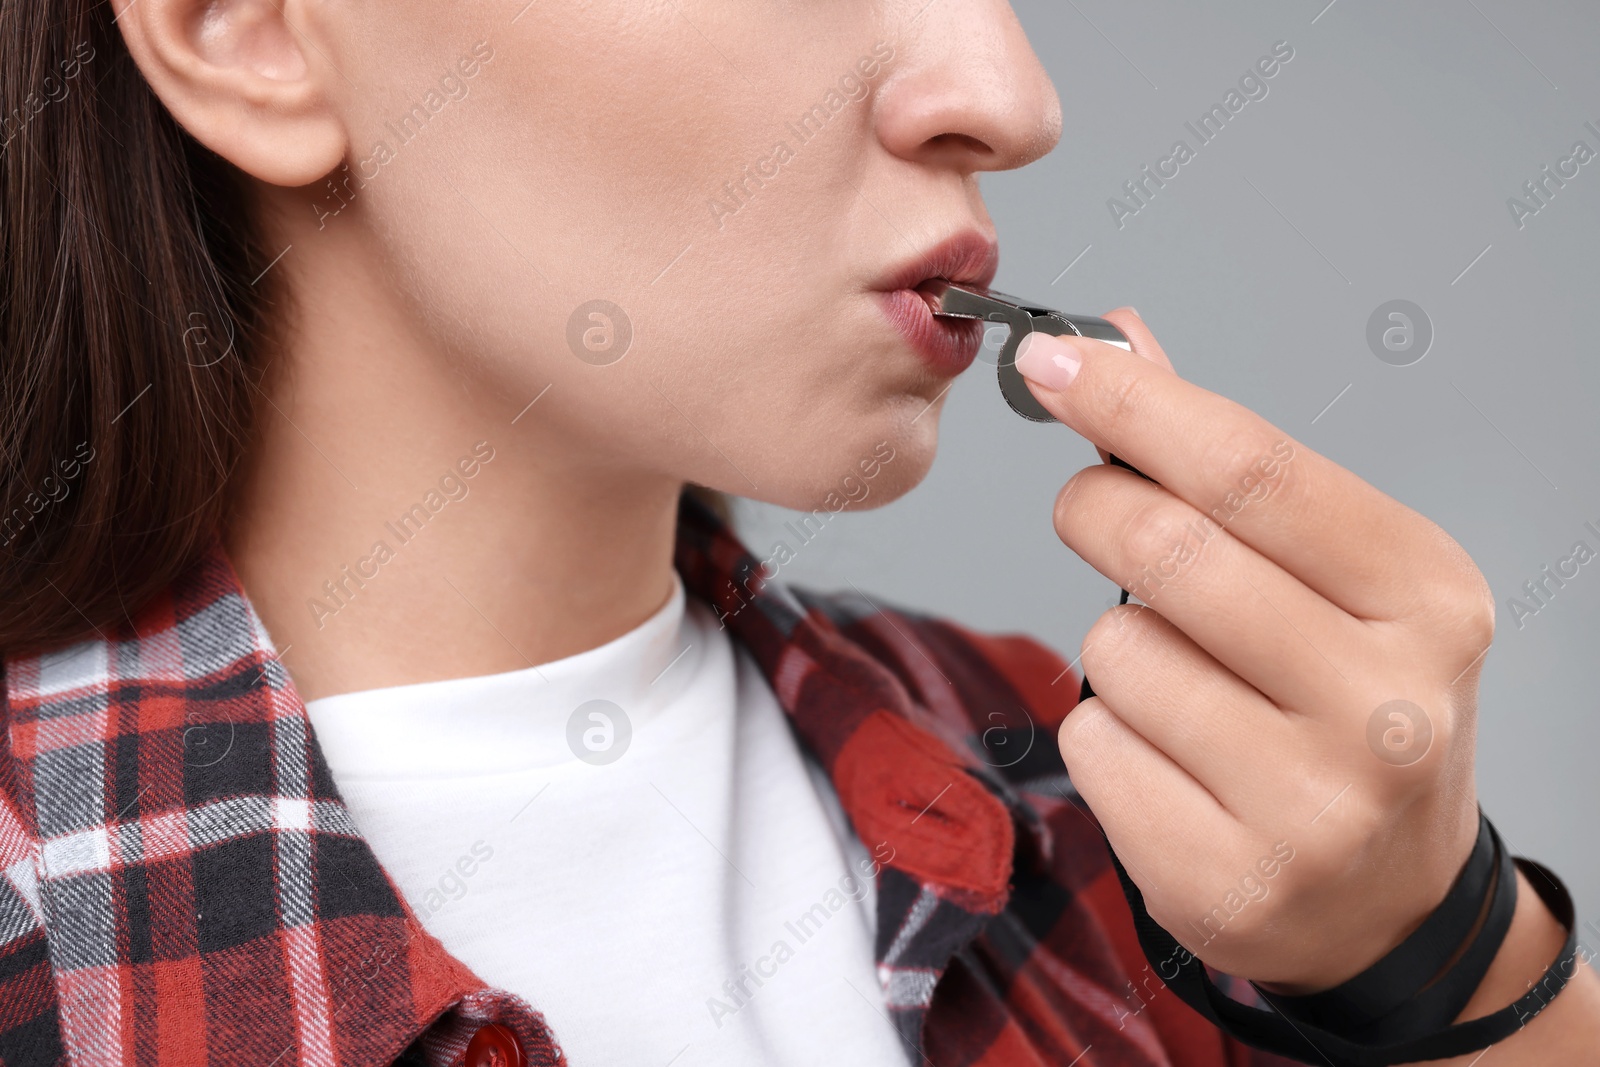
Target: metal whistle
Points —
{"points": [[1024, 317]]}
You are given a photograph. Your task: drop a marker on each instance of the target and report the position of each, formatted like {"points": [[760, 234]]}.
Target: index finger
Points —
{"points": [[1144, 344], [1229, 463]]}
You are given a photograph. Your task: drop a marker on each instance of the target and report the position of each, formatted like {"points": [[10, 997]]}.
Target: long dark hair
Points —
{"points": [[135, 326], [130, 328]]}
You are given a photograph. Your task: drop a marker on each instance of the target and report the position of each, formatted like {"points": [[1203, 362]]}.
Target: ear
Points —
{"points": [[244, 79]]}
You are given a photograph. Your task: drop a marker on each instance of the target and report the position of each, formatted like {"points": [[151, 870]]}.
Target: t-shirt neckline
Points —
{"points": [[514, 720]]}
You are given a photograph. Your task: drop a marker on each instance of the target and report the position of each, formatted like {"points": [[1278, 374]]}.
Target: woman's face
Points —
{"points": [[687, 217]]}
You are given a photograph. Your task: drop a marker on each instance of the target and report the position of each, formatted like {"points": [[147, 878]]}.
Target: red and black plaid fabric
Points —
{"points": [[180, 882]]}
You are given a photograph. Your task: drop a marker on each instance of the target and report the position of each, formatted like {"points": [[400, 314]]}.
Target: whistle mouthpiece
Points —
{"points": [[1023, 317]]}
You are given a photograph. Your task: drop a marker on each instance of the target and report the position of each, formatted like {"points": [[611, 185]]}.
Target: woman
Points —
{"points": [[376, 693]]}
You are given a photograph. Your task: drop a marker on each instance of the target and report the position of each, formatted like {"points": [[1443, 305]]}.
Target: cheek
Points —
{"points": [[581, 167], [576, 173]]}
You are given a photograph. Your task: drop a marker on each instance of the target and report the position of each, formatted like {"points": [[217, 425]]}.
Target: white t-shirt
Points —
{"points": [[687, 893]]}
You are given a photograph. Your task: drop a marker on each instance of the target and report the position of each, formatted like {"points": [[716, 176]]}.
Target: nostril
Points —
{"points": [[960, 142]]}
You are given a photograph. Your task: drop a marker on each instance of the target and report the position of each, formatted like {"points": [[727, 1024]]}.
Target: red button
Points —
{"points": [[494, 1046]]}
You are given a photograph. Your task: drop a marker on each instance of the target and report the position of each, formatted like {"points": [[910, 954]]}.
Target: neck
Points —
{"points": [[394, 524]]}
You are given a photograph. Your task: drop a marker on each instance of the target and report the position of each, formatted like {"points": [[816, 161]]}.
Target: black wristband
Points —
{"points": [[1426, 982], [1274, 1032]]}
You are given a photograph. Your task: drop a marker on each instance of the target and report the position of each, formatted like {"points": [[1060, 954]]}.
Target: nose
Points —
{"points": [[969, 93]]}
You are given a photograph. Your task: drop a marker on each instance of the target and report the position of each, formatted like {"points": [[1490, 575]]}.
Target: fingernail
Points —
{"points": [[1047, 360], [1135, 311]]}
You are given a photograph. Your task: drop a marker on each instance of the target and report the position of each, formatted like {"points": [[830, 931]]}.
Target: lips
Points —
{"points": [[968, 258], [948, 346]]}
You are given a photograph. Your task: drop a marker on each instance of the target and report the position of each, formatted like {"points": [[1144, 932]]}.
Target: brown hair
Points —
{"points": [[130, 328], [134, 326]]}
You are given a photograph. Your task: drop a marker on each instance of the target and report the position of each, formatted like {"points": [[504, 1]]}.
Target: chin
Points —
{"points": [[855, 472]]}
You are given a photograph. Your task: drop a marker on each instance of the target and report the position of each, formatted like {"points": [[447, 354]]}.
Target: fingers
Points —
{"points": [[1144, 344], [1197, 713], [1162, 823], [1246, 612], [1272, 493]]}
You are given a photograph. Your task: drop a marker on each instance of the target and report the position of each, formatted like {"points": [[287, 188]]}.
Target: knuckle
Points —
{"points": [[1471, 611], [1447, 735], [1460, 608], [1121, 644], [1079, 737], [1071, 501], [1454, 599], [1247, 463], [1125, 400], [1113, 636], [1156, 532]]}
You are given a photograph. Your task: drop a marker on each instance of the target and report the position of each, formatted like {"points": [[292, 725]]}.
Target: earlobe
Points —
{"points": [[243, 77]]}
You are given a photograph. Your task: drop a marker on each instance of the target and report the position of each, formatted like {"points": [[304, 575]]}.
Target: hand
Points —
{"points": [[1280, 748]]}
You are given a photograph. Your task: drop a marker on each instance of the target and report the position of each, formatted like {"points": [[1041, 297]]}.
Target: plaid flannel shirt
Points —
{"points": [[183, 885]]}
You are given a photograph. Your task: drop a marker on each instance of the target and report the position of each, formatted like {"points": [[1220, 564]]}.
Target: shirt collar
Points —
{"points": [[185, 816], [908, 778]]}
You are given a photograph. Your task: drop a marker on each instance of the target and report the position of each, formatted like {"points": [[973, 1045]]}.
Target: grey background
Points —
{"points": [[1377, 168]]}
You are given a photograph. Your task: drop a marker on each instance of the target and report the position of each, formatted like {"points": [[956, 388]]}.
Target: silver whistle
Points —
{"points": [[1024, 317]]}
